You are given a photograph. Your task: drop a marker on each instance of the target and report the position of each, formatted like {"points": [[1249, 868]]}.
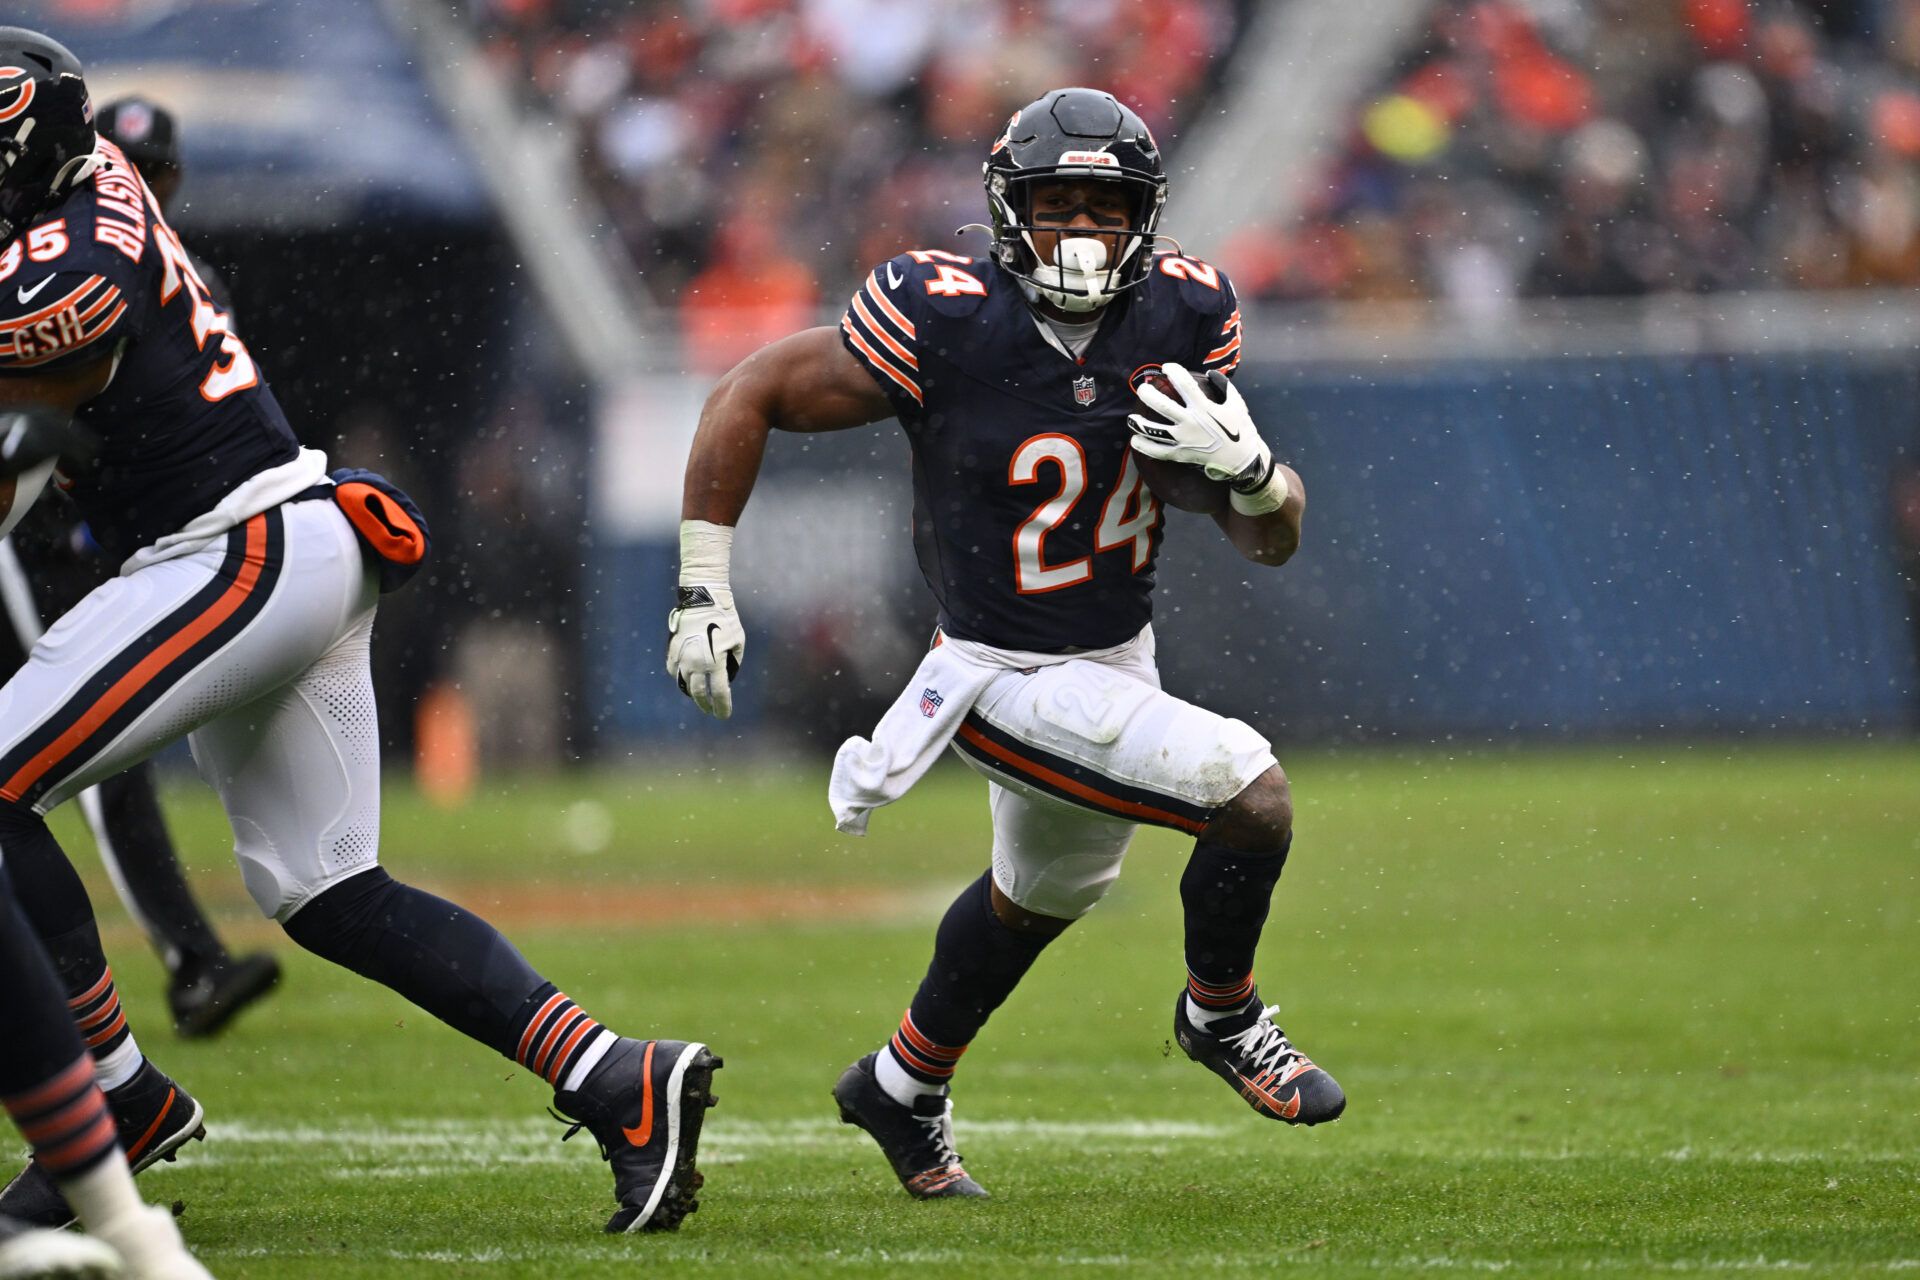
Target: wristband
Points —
{"points": [[706, 553], [1267, 497]]}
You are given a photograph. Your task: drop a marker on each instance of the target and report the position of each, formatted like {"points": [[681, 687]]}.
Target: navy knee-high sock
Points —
{"points": [[451, 963], [46, 1077], [56, 906], [1226, 894], [977, 962]]}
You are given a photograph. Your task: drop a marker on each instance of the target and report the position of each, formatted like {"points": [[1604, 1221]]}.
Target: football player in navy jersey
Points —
{"points": [[1039, 388], [47, 565], [242, 619]]}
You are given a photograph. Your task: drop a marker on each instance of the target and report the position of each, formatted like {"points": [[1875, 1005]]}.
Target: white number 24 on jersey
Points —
{"points": [[1127, 520]]}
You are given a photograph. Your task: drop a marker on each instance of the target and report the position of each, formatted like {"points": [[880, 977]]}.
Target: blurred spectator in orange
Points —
{"points": [[750, 294]]}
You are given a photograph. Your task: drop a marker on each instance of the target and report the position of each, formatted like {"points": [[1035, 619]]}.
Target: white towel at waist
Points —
{"points": [[253, 495], [924, 718]]}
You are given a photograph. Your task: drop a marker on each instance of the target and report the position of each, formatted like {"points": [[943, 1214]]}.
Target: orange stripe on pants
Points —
{"points": [[1099, 799], [152, 665]]}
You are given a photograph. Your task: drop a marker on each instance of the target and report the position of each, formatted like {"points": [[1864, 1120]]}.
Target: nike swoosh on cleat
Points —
{"points": [[893, 278], [166, 1109], [639, 1133], [1285, 1110], [27, 295]]}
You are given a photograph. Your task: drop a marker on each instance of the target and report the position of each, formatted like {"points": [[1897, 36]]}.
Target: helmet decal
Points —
{"points": [[134, 122], [16, 92], [1006, 135]]}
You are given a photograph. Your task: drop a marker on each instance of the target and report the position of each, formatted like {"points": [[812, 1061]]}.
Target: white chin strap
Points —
{"points": [[1079, 279], [77, 170]]}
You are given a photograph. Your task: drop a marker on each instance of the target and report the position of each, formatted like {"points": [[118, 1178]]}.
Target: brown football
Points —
{"points": [[1177, 484]]}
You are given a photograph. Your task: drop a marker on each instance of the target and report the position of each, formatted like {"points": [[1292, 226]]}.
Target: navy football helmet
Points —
{"points": [[46, 127], [1074, 133]]}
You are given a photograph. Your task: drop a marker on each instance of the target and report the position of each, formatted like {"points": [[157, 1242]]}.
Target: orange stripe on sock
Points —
{"points": [[1099, 799], [78, 1150], [99, 1038], [566, 1050], [76, 1115], [98, 1016], [149, 667], [918, 1063], [93, 992], [526, 1037], [545, 1053], [42, 1096], [924, 1045]]}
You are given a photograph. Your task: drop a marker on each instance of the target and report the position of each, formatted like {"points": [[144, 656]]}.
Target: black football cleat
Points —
{"points": [[1254, 1056], [205, 1002], [155, 1117], [35, 1253], [644, 1104], [917, 1141]]}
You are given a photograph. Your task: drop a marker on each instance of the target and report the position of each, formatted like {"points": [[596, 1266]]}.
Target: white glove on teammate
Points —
{"points": [[1217, 436], [705, 641]]}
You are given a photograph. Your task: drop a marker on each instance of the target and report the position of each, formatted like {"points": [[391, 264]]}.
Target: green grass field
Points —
{"points": [[1629, 1011]]}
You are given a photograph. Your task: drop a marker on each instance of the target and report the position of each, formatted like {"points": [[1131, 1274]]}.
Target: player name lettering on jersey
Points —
{"points": [[122, 220]]}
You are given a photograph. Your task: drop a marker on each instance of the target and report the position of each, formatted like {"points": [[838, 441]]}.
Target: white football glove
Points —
{"points": [[1218, 437], [705, 641]]}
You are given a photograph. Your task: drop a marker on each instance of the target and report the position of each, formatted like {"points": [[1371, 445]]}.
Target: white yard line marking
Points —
{"points": [[827, 1259], [532, 1140]]}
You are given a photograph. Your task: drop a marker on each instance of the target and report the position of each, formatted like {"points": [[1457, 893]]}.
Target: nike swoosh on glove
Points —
{"points": [[1217, 436], [705, 647]]}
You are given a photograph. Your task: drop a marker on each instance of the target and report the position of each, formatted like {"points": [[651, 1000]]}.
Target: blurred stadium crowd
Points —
{"points": [[1619, 148], [757, 156]]}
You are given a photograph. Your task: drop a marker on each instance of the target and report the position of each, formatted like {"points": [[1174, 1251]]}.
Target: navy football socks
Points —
{"points": [[977, 962], [1226, 893], [49, 895], [451, 963]]}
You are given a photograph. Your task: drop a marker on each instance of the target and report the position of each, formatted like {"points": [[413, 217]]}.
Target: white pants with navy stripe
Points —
{"points": [[1079, 753], [255, 646]]}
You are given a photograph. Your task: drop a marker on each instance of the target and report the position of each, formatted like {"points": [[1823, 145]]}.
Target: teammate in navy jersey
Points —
{"points": [[47, 565], [1020, 380], [241, 618]]}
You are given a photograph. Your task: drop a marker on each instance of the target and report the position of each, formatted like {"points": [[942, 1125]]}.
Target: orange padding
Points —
{"points": [[387, 529]]}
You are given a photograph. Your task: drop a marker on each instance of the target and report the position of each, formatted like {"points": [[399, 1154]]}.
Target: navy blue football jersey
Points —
{"points": [[1031, 521], [188, 415]]}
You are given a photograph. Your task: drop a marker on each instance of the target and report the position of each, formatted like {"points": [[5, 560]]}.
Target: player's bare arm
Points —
{"points": [[807, 382], [1269, 539]]}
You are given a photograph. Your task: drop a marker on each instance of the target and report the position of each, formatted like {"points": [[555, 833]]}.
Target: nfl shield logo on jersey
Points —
{"points": [[930, 701], [1083, 390]]}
